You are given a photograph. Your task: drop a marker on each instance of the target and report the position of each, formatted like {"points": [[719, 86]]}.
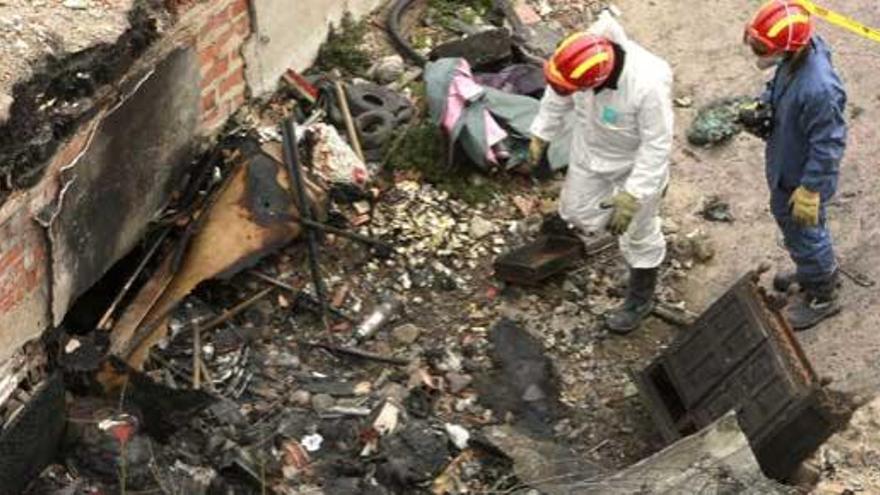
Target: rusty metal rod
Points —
{"points": [[370, 241], [292, 159]]}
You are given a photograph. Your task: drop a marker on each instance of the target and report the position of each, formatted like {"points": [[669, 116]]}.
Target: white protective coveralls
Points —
{"points": [[621, 139]]}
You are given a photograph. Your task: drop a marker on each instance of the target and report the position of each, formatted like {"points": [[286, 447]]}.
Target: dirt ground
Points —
{"points": [[700, 40]]}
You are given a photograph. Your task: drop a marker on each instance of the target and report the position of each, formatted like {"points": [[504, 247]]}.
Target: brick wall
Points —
{"points": [[219, 43], [22, 263]]}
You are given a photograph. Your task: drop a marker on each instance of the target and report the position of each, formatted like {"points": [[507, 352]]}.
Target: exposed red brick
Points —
{"points": [[242, 26], [238, 7], [232, 81], [526, 13], [238, 100], [215, 22], [215, 71], [209, 101], [10, 256], [13, 284], [229, 41], [208, 119], [208, 55]]}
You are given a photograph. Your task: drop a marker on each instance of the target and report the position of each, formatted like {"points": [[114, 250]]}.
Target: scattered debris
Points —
{"points": [[492, 127], [458, 435], [716, 122], [848, 461], [388, 69], [380, 316], [333, 160], [716, 210], [406, 334]]}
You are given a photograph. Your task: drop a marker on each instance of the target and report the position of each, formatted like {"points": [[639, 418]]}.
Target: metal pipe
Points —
{"points": [[292, 161]]}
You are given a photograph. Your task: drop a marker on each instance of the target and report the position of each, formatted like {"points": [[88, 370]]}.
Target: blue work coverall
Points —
{"points": [[805, 149]]}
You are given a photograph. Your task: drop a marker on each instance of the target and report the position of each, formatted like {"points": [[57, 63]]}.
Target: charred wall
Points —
{"points": [[47, 108]]}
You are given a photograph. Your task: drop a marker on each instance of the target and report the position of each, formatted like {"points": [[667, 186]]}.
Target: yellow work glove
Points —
{"points": [[625, 206], [805, 207], [537, 146]]}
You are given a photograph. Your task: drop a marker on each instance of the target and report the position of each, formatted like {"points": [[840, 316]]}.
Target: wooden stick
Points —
{"points": [[297, 292], [104, 323], [236, 310], [197, 357], [349, 122], [351, 351]]}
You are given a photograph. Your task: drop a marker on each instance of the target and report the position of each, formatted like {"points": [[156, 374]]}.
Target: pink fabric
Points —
{"points": [[462, 89]]}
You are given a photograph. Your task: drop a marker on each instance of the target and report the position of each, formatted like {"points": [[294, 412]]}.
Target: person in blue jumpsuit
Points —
{"points": [[805, 130]]}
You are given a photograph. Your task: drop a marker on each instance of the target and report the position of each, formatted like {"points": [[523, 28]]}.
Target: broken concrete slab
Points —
{"points": [[717, 459], [741, 355], [85, 240]]}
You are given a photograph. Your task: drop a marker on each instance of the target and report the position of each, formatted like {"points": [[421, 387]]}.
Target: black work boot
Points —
{"points": [[638, 304], [554, 225], [782, 281], [819, 301]]}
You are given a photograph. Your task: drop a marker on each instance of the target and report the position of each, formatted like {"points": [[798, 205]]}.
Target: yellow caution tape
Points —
{"points": [[841, 21]]}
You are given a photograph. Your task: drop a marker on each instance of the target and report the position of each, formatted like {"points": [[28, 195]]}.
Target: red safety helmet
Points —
{"points": [[779, 26], [582, 61]]}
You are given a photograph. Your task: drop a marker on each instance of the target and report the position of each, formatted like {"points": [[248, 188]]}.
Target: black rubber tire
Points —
{"points": [[374, 128], [393, 26], [362, 98]]}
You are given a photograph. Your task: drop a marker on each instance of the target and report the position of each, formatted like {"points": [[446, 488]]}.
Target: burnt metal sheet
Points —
{"points": [[253, 214], [740, 355], [535, 262], [124, 177]]}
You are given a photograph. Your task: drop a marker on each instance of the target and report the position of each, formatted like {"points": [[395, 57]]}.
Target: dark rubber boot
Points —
{"points": [[782, 281], [554, 225], [819, 301], [638, 304]]}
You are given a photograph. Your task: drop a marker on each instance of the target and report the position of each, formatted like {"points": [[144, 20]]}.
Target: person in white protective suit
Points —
{"points": [[619, 96]]}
